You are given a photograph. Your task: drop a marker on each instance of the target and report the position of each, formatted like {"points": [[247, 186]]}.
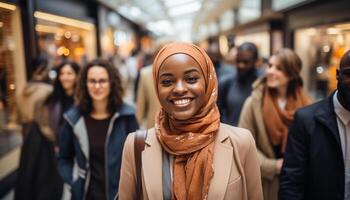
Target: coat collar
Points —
{"points": [[326, 116], [77, 121], [152, 165]]}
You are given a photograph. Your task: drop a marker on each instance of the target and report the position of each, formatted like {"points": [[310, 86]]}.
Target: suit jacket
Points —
{"points": [[251, 118], [236, 168], [313, 164], [147, 103]]}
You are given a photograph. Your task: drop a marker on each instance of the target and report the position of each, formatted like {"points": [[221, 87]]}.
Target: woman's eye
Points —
{"points": [[192, 79], [166, 82]]}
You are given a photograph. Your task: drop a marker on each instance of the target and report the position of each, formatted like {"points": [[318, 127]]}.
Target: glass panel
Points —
{"points": [[320, 49], [60, 37]]}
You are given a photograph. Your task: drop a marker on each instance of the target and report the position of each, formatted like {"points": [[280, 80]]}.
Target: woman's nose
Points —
{"points": [[180, 87]]}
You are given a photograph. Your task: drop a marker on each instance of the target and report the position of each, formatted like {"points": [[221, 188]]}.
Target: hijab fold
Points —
{"points": [[191, 141]]}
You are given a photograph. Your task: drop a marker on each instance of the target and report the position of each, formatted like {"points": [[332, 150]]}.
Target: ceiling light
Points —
{"points": [[185, 9], [47, 29], [7, 6], [64, 20], [172, 3]]}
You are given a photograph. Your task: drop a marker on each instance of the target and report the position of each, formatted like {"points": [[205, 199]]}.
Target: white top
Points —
{"points": [[343, 121]]}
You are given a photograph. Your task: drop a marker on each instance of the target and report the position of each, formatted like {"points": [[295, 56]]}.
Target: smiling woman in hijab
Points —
{"points": [[190, 154]]}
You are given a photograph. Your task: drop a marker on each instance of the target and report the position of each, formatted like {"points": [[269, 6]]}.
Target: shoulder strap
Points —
{"points": [[139, 146]]}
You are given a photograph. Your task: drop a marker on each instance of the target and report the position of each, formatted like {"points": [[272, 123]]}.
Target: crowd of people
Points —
{"points": [[215, 129]]}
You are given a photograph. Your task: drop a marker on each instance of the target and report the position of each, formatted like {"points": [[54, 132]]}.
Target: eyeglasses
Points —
{"points": [[101, 82]]}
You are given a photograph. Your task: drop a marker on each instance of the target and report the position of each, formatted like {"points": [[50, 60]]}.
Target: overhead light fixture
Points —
{"points": [[47, 29], [185, 9], [64, 20], [172, 3], [7, 6]]}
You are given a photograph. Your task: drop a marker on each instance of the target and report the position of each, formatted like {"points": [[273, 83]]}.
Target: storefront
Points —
{"points": [[319, 32], [66, 29], [266, 32], [12, 67], [118, 35], [63, 37]]}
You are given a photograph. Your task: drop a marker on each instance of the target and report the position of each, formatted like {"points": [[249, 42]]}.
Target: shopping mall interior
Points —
{"points": [[81, 30]]}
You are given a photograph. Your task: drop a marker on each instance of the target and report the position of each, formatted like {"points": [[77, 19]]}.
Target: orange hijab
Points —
{"points": [[193, 147]]}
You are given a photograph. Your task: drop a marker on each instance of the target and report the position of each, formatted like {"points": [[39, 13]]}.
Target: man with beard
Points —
{"points": [[317, 159], [237, 86]]}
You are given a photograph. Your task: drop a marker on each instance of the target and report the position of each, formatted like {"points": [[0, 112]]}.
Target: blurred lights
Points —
{"points": [[75, 38], [64, 20], [326, 48], [311, 31], [47, 29], [223, 45], [63, 51], [67, 34], [1, 24], [7, 6], [12, 86], [333, 31], [319, 69], [184, 9]]}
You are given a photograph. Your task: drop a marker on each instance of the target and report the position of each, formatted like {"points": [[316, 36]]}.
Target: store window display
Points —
{"points": [[60, 37], [320, 49], [11, 67]]}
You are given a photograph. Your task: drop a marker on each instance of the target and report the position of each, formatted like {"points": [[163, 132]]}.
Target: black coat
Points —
{"points": [[313, 165], [37, 177]]}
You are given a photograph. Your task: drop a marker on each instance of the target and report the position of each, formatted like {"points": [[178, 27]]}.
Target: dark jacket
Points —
{"points": [[37, 176], [233, 91], [73, 160], [313, 165]]}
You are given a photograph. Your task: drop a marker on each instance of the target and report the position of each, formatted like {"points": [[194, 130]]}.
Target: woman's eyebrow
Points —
{"points": [[165, 74], [191, 70]]}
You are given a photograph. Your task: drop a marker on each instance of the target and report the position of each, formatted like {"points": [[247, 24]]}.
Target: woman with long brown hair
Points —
{"points": [[93, 133], [189, 154], [269, 111]]}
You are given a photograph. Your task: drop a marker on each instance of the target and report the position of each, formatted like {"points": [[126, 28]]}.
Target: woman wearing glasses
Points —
{"points": [[93, 134]]}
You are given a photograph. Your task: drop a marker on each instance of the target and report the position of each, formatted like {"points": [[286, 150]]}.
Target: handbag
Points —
{"points": [[139, 146]]}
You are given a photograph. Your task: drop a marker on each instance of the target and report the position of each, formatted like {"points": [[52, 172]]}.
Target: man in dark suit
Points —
{"points": [[317, 158]]}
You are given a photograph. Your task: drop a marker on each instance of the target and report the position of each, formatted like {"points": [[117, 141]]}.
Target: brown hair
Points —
{"points": [[115, 98], [291, 65]]}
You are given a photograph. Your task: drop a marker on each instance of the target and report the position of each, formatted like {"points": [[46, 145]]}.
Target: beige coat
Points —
{"points": [[147, 103], [251, 118], [236, 168]]}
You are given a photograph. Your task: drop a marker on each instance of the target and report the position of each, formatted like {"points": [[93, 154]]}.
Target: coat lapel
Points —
{"points": [[80, 132], [328, 118], [152, 167], [223, 158]]}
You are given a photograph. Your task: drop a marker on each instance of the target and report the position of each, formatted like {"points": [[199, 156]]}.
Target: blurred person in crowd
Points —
{"points": [[237, 86], [62, 97], [190, 154], [317, 159], [93, 133], [37, 174], [214, 53], [147, 104], [35, 92], [268, 112]]}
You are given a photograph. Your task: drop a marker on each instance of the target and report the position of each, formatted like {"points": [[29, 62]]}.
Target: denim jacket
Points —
{"points": [[73, 159]]}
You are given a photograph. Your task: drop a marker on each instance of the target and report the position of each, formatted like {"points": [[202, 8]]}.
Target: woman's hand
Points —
{"points": [[279, 164]]}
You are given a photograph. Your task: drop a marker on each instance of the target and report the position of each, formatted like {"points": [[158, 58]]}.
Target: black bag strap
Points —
{"points": [[139, 146]]}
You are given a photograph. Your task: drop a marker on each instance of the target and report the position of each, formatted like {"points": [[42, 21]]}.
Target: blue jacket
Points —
{"points": [[73, 160]]}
